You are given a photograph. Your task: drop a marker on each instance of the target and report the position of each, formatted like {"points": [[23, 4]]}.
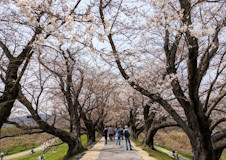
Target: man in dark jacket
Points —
{"points": [[106, 134], [127, 138]]}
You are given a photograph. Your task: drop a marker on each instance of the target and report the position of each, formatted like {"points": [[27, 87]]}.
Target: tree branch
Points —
{"points": [[217, 123], [6, 50], [213, 82], [214, 103]]}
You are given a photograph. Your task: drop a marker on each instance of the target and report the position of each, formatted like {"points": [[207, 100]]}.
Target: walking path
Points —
{"points": [[111, 151]]}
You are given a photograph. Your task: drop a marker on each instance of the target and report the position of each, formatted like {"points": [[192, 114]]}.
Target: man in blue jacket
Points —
{"points": [[119, 135]]}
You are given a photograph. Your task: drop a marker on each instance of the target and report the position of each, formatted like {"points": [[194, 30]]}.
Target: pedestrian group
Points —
{"points": [[120, 133]]}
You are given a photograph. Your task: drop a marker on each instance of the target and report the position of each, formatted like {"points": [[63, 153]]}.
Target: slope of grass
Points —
{"points": [[187, 155], [177, 139], [21, 143], [223, 156], [21, 148], [58, 154], [158, 155]]}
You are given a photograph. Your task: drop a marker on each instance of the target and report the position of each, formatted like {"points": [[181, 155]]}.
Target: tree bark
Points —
{"points": [[202, 147], [91, 134], [219, 153], [74, 147], [138, 132], [149, 138], [100, 128], [11, 89]]}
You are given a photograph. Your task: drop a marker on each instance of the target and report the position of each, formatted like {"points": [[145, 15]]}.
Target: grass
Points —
{"points": [[158, 155], [61, 150], [21, 143], [187, 155], [177, 139], [223, 156], [21, 148]]}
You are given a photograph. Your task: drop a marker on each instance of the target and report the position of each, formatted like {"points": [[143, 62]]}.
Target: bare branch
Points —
{"points": [[6, 50], [214, 103], [213, 126]]}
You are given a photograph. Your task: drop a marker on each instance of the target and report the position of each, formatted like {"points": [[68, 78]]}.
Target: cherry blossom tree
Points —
{"points": [[98, 88], [25, 25], [67, 80], [186, 36]]}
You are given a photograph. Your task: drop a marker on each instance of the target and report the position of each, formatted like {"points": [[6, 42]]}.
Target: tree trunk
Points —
{"points": [[74, 147], [138, 132], [149, 138], [91, 135], [100, 128], [218, 153], [202, 147], [6, 104], [10, 92]]}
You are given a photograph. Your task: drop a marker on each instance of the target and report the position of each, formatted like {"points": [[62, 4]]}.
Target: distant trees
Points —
{"points": [[148, 117], [98, 89]]}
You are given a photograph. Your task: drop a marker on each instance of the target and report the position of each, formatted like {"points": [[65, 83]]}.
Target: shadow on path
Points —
{"points": [[111, 151]]}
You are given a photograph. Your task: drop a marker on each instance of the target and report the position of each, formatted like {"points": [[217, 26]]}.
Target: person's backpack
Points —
{"points": [[126, 133]]}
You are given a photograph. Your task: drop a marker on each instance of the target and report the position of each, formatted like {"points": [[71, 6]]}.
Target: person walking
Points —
{"points": [[111, 132], [106, 134], [119, 135], [127, 138], [115, 129], [122, 131], [2, 155]]}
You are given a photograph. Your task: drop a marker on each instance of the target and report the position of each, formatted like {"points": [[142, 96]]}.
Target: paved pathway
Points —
{"points": [[111, 151]]}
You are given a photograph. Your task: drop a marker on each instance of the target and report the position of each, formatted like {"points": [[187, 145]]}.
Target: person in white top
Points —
{"points": [[2, 155]]}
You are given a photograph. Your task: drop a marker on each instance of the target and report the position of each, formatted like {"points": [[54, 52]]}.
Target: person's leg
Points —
{"points": [[119, 139], [130, 144], [105, 140], [126, 143]]}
